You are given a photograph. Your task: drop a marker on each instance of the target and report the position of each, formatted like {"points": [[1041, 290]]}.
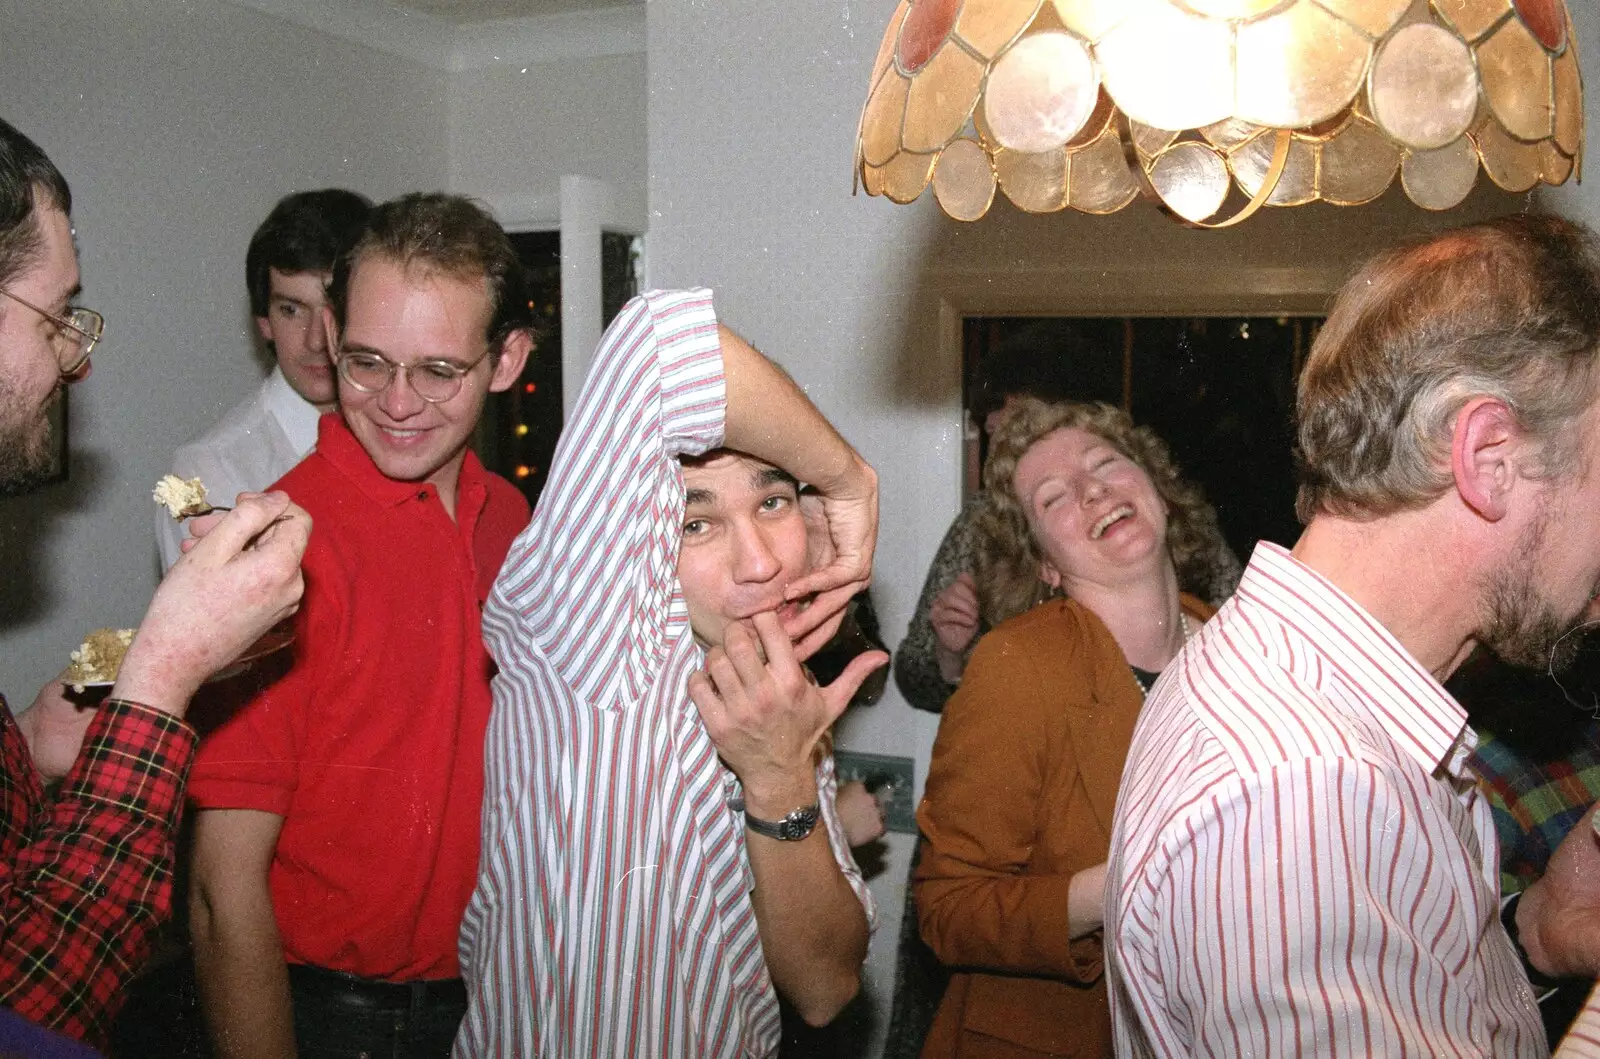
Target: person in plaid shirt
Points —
{"points": [[86, 867]]}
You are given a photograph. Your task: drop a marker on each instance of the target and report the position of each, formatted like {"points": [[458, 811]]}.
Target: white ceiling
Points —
{"points": [[467, 12], [473, 34]]}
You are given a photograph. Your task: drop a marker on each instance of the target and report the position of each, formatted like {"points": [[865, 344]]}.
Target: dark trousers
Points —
{"points": [[340, 1016]]}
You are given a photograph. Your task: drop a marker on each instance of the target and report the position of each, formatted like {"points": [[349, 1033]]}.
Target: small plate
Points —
{"points": [[271, 642]]}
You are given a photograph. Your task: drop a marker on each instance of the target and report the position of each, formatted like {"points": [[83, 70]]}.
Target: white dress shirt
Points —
{"points": [[250, 448], [1301, 863]]}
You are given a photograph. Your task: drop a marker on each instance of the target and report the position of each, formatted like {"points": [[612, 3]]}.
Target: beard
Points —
{"points": [[1522, 628], [27, 446]]}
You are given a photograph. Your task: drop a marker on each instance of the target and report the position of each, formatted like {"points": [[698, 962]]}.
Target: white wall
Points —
{"points": [[516, 130], [753, 110], [178, 124]]}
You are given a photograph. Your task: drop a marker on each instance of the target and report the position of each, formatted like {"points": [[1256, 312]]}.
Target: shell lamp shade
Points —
{"points": [[1216, 108]]}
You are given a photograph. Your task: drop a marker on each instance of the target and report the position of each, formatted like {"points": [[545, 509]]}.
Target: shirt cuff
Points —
{"points": [[136, 758]]}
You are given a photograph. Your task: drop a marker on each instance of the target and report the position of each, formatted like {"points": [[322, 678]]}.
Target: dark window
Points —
{"points": [[517, 437]]}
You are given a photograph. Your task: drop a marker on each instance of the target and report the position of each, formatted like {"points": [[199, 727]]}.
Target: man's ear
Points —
{"points": [[1483, 455], [513, 355], [1049, 574], [264, 325]]}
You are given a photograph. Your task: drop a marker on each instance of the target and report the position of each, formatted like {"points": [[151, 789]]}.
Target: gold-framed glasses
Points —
{"points": [[77, 332], [434, 381]]}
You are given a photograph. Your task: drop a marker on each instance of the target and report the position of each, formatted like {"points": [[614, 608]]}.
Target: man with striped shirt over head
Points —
{"points": [[661, 852], [1302, 863]]}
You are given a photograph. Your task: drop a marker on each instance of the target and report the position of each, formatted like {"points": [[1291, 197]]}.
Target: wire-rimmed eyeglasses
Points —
{"points": [[435, 381], [78, 330]]}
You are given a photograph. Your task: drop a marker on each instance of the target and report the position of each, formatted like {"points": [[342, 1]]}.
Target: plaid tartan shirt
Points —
{"points": [[1535, 801], [86, 874]]}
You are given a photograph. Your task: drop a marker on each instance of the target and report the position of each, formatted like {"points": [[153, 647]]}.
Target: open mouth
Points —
{"points": [[1109, 519]]}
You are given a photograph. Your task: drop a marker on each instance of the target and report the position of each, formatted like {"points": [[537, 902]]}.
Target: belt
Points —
{"points": [[370, 994]]}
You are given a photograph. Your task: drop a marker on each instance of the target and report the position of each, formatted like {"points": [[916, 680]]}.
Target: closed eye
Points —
{"points": [[439, 370]]}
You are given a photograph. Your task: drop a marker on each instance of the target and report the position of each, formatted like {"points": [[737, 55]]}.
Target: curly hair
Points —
{"points": [[1008, 556]]}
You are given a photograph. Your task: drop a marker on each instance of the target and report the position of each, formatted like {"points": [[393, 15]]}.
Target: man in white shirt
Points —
{"points": [[1302, 862], [287, 269]]}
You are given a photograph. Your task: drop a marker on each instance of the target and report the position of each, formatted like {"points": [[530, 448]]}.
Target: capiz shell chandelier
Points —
{"points": [[1214, 108]]}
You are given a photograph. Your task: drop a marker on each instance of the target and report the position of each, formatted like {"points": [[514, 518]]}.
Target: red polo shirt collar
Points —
{"points": [[339, 445]]}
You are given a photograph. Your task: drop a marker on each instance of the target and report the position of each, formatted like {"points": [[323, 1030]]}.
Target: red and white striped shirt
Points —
{"points": [[612, 915], [1301, 864]]}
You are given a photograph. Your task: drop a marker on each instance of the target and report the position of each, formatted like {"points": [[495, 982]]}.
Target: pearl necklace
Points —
{"points": [[1188, 631]]}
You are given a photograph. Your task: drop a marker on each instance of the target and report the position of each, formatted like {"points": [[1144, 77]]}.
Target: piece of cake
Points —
{"points": [[184, 497], [100, 657]]}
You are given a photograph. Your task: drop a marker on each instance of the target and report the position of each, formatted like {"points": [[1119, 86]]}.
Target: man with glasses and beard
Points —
{"points": [[1302, 863], [86, 867], [337, 840]]}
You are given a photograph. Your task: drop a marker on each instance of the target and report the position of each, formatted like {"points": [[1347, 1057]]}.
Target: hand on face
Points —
{"points": [[763, 712], [841, 534], [236, 579], [851, 517]]}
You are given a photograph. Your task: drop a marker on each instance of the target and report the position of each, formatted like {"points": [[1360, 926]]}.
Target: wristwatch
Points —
{"points": [[795, 825]]}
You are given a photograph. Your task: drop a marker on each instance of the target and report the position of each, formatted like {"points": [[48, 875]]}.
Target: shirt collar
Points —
{"points": [[1374, 671], [297, 416], [340, 447]]}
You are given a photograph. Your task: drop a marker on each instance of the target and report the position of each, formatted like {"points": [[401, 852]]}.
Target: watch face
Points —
{"points": [[798, 824]]}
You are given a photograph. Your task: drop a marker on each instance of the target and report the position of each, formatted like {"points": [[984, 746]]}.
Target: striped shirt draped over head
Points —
{"points": [[1301, 863], [612, 915]]}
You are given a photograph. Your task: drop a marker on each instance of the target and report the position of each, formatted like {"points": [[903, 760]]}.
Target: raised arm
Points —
{"points": [[769, 417]]}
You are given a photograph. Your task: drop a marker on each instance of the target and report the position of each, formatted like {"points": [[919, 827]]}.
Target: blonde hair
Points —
{"points": [[1508, 309], [1007, 555]]}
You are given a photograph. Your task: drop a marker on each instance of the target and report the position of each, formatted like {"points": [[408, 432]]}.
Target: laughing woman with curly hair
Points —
{"points": [[1016, 817]]}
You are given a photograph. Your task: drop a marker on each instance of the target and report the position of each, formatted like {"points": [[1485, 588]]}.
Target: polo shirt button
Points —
{"points": [[422, 495]]}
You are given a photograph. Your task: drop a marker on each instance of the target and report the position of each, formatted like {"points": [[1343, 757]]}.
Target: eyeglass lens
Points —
{"points": [[433, 381], [87, 327]]}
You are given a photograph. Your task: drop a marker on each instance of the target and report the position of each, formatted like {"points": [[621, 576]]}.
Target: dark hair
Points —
{"points": [[1509, 309], [1034, 360], [452, 235], [24, 172], [305, 232]]}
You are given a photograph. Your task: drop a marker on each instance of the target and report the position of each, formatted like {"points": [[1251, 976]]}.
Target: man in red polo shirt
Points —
{"points": [[337, 841]]}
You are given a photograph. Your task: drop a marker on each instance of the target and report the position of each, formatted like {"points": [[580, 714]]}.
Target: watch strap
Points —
{"points": [[795, 825]]}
